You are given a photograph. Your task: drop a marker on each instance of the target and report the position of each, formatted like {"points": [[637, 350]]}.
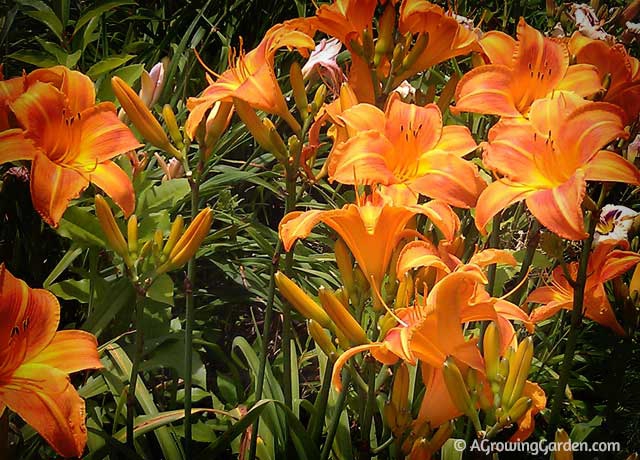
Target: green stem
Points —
{"points": [[576, 319], [137, 357], [533, 238], [494, 240], [189, 319], [266, 332], [317, 419], [365, 433], [335, 421]]}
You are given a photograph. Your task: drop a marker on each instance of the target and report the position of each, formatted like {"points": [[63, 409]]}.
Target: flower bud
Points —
{"points": [[563, 446], [141, 117], [152, 83], [348, 97], [345, 265], [318, 98], [322, 339], [190, 241], [176, 232], [132, 234], [343, 320], [251, 120], [115, 238], [172, 125], [519, 366], [519, 408], [491, 351], [416, 51], [400, 397], [458, 392], [297, 88], [279, 149], [299, 299], [386, 27]]}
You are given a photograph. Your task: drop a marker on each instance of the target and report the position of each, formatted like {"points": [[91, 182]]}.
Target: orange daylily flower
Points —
{"points": [[520, 73], [408, 145], [370, 228], [547, 161], [345, 20], [615, 63], [70, 141], [35, 361], [423, 253], [251, 77], [605, 263], [447, 37]]}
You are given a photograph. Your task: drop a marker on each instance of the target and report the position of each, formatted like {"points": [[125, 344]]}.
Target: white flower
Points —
{"points": [[615, 222]]}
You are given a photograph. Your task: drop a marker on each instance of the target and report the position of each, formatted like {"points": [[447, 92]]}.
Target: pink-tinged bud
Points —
{"points": [[153, 83]]}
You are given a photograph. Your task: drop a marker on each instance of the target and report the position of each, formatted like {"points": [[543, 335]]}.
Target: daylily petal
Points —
{"points": [[539, 65], [15, 146], [582, 79], [45, 399], [498, 47], [609, 166], [616, 263], [103, 136], [600, 311], [559, 209], [114, 182], [411, 128], [547, 294], [448, 178], [493, 256], [418, 254], [336, 379], [362, 160], [28, 322], [456, 140], [70, 351], [547, 311], [437, 406], [52, 187], [496, 197], [362, 117], [589, 128], [442, 216], [548, 114], [486, 89], [80, 91]]}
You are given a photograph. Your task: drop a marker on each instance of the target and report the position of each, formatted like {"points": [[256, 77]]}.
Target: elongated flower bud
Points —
{"points": [[172, 125], [416, 51], [253, 123], [345, 265], [348, 97], [563, 446], [279, 149], [132, 234], [217, 123], [298, 90], [299, 299], [519, 367], [443, 433], [400, 396], [318, 98], [404, 295], [519, 408], [342, 318], [322, 339], [491, 351], [386, 26], [141, 117], [458, 392], [367, 45], [115, 238], [190, 241], [176, 232]]}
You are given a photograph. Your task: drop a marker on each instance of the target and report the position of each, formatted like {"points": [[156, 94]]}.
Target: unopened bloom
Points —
{"points": [[189, 242], [322, 62], [35, 361]]}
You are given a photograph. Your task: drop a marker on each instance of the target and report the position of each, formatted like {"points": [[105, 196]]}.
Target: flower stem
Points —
{"points": [[335, 421], [317, 418], [533, 238], [266, 332], [576, 319], [137, 357], [189, 318]]}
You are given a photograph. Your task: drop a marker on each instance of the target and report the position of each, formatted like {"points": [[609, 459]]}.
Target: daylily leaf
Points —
{"points": [[108, 64]]}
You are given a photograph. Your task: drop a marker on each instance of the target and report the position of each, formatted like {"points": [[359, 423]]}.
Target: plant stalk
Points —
{"points": [[135, 366], [576, 319], [266, 332], [317, 419], [189, 319], [335, 420]]}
